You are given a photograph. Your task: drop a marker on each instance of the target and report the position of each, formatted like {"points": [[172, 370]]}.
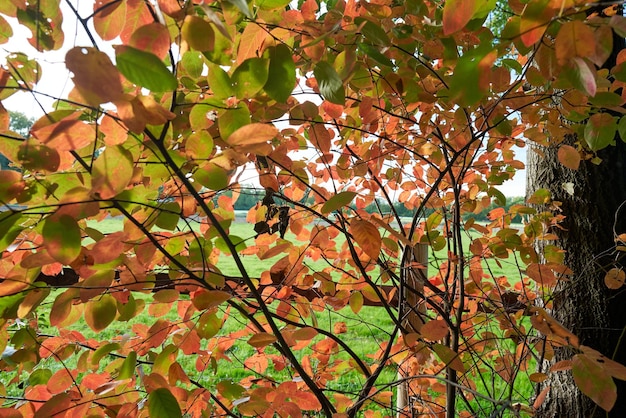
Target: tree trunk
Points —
{"points": [[584, 304]]}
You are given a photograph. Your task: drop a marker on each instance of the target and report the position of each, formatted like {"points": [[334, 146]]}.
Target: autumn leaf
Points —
{"points": [[261, 339], [254, 133], [435, 330], [594, 381], [614, 278], [575, 39], [457, 13], [95, 76], [367, 237], [112, 171], [62, 238], [569, 157]]}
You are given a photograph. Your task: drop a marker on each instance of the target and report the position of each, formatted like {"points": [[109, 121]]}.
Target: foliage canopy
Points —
{"points": [[333, 106]]}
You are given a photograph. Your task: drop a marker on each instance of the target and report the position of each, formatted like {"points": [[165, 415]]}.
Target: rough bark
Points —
{"points": [[584, 304]]}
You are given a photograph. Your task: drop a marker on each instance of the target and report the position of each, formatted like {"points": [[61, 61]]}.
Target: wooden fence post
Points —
{"points": [[412, 308]]}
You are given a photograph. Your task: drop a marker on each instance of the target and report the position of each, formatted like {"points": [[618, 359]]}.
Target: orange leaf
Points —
{"points": [[434, 330], [203, 300], [575, 39], [61, 381], [541, 397], [594, 381], [253, 133], [95, 76], [261, 340], [456, 14], [562, 365], [614, 278], [541, 273], [67, 134], [153, 38], [367, 237], [109, 21], [569, 157]]}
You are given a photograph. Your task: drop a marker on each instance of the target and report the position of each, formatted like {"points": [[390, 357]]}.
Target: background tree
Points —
{"points": [[591, 304], [129, 288]]}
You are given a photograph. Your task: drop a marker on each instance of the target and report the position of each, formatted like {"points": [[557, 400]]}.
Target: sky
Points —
{"points": [[56, 81]]}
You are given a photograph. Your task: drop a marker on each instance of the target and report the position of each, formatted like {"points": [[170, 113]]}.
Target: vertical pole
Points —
{"points": [[412, 309]]}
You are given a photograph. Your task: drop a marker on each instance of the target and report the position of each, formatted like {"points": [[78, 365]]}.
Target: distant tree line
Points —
{"points": [[250, 196]]}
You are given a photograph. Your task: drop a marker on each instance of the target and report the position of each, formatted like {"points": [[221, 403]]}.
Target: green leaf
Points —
{"points": [[208, 325], [230, 390], [372, 32], [5, 30], [232, 119], [621, 128], [99, 313], [373, 53], [193, 63], [162, 404], [127, 369], [103, 351], [144, 69], [600, 131], [329, 83], [242, 5], [250, 77], [339, 200], [169, 216], [282, 73], [219, 82], [449, 357], [272, 4], [62, 238], [212, 176]]}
